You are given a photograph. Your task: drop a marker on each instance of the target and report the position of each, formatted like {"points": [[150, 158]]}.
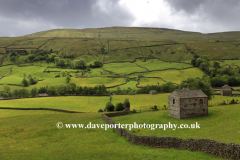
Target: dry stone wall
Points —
{"points": [[216, 148]]}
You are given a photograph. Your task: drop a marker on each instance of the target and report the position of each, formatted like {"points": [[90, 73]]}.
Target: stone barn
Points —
{"points": [[187, 103], [43, 95], [140, 76], [226, 90], [131, 61], [152, 92]]}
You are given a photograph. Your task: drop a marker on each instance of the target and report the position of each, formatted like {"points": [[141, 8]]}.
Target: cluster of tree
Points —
{"points": [[119, 106], [202, 62], [14, 54], [220, 81], [166, 87], [29, 80], [96, 64], [69, 89], [76, 64], [38, 55], [73, 89], [119, 91], [198, 83]]}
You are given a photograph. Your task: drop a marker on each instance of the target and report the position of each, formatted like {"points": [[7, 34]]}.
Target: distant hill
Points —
{"points": [[126, 43]]}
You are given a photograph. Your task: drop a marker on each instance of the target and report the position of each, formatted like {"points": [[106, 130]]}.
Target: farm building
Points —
{"points": [[140, 76], [187, 103], [42, 95], [131, 61], [153, 92], [226, 90]]}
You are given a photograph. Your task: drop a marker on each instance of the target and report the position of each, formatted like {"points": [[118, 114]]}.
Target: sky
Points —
{"points": [[21, 17]]}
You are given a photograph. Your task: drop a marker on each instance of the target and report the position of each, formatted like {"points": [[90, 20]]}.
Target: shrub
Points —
{"points": [[33, 92], [57, 76], [100, 110], [126, 104], [52, 91], [119, 107], [25, 82], [23, 93], [68, 78], [43, 89], [109, 107], [233, 101]]}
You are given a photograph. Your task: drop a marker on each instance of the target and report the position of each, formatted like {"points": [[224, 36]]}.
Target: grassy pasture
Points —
{"points": [[72, 103], [36, 137], [97, 81], [175, 76], [123, 68], [154, 64], [150, 81], [219, 125]]}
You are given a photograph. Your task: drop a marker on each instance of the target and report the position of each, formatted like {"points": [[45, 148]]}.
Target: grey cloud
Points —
{"points": [[64, 13], [218, 13]]}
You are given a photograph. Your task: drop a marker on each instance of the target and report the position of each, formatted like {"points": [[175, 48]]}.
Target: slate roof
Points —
{"points": [[190, 93], [226, 87]]}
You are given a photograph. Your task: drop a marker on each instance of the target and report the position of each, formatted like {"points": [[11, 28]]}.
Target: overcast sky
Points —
{"points": [[21, 17]]}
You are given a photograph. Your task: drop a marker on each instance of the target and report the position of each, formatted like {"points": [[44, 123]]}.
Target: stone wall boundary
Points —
{"points": [[216, 148]]}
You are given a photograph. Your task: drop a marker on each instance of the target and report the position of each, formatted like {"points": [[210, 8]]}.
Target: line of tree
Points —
{"points": [[166, 87], [119, 106]]}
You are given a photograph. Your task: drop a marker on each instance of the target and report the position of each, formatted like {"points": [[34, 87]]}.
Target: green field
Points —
{"points": [[211, 127], [94, 103], [36, 137], [158, 55]]}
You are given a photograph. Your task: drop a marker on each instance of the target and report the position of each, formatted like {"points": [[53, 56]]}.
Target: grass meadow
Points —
{"points": [[94, 103], [220, 124], [36, 137]]}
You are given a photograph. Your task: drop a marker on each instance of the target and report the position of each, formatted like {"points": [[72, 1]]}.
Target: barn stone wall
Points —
{"points": [[190, 107], [173, 109], [226, 92], [216, 148]]}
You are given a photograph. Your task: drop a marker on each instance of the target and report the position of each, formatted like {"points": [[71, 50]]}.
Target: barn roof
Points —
{"points": [[190, 93], [226, 87]]}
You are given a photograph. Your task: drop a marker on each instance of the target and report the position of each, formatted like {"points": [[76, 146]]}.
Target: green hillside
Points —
{"points": [[124, 43]]}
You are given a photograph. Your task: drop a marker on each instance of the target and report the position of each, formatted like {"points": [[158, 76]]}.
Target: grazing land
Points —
{"points": [[130, 58]]}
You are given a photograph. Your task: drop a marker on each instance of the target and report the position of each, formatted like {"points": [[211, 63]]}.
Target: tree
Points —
{"points": [[197, 83], [33, 92], [63, 73], [6, 88], [56, 60], [126, 104], [119, 107], [68, 78], [103, 50], [52, 56], [97, 64], [216, 64], [109, 107], [61, 62], [25, 82]]}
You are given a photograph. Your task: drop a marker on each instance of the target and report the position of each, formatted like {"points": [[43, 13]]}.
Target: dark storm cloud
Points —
{"points": [[219, 12], [61, 13]]}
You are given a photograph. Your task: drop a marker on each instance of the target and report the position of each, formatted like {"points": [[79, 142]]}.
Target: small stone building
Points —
{"points": [[226, 90], [140, 76], [152, 92], [131, 61], [43, 95], [187, 103]]}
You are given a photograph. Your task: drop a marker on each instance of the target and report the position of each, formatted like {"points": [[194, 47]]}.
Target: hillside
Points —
{"points": [[124, 43]]}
